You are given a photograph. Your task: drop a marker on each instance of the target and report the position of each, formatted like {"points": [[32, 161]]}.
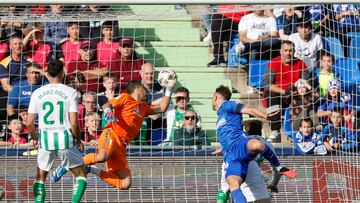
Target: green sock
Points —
{"points": [[79, 189], [39, 191], [221, 196]]}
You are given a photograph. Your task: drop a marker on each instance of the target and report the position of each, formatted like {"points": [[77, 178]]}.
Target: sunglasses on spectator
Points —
{"points": [[180, 98], [188, 117]]}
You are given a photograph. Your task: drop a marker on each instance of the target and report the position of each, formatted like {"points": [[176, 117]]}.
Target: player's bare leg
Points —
{"points": [[234, 183], [255, 147]]}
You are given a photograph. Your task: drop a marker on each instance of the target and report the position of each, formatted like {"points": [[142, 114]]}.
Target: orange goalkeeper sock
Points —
{"points": [[111, 178], [90, 159]]}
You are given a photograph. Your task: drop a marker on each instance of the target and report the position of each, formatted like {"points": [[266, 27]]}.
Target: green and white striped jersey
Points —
{"points": [[52, 103]]}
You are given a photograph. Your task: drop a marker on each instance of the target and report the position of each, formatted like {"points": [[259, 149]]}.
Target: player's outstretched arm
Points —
{"points": [[165, 101], [260, 114], [162, 106], [254, 112]]}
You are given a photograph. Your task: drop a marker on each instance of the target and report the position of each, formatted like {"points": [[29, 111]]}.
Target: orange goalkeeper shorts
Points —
{"points": [[116, 147]]}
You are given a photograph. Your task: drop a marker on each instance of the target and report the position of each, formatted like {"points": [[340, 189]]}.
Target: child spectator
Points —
{"points": [[109, 83], [107, 49], [190, 134], [303, 104], [306, 43], [333, 99], [70, 48], [37, 49], [15, 136], [92, 129], [55, 31], [324, 73], [307, 141], [335, 135]]}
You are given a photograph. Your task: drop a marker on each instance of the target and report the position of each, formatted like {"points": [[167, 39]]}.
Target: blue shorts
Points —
{"points": [[237, 158]]}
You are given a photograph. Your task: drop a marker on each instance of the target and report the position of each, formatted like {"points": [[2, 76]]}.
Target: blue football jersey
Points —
{"points": [[229, 125]]}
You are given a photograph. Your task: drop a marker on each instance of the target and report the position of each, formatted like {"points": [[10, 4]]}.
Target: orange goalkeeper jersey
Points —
{"points": [[130, 114]]}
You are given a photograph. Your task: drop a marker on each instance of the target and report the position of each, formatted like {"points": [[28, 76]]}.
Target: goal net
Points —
{"points": [[303, 59]]}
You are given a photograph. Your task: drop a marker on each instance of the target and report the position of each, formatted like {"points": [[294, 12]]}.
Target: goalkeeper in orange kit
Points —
{"points": [[125, 119]]}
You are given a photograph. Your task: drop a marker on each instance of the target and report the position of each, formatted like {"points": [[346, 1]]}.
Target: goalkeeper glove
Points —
{"points": [[109, 115]]}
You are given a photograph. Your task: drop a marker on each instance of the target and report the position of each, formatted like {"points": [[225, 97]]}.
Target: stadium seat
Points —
{"points": [[334, 46], [234, 59], [353, 34], [348, 70], [287, 124], [257, 70], [354, 49]]}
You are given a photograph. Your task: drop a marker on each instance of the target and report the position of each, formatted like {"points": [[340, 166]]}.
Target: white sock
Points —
{"points": [[95, 170], [278, 168]]}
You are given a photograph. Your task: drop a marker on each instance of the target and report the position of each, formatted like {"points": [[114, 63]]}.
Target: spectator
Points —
{"points": [[91, 30], [307, 43], [281, 74], [19, 96], [154, 96], [4, 48], [155, 91], [333, 99], [55, 31], [12, 70], [37, 49], [303, 104], [223, 26], [15, 136], [258, 34], [12, 27], [128, 66], [337, 137], [70, 48], [107, 49], [347, 16], [92, 129], [307, 141], [78, 82], [13, 67], [88, 66], [324, 73], [109, 83], [175, 114], [286, 23], [89, 104], [190, 134]]}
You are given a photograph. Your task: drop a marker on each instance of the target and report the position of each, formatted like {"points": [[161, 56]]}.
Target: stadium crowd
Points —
{"points": [[300, 77]]}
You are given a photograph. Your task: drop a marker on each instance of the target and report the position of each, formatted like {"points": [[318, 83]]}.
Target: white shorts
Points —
{"points": [[254, 187], [70, 158]]}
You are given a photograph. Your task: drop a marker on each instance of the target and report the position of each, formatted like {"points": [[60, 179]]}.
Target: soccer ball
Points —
{"points": [[165, 75]]}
